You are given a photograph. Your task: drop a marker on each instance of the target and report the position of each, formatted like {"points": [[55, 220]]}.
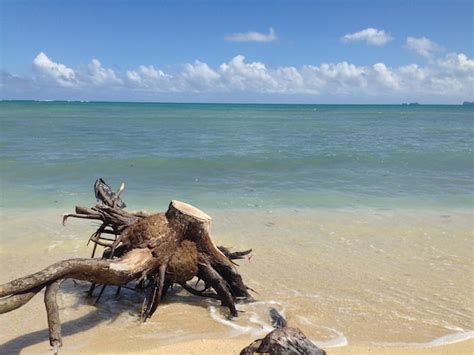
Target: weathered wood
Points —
{"points": [[157, 289], [52, 311], [200, 293], [104, 193], [210, 276], [154, 251], [15, 301], [235, 254], [113, 272]]}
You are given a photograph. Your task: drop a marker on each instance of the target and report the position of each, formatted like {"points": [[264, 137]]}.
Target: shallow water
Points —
{"points": [[228, 156]]}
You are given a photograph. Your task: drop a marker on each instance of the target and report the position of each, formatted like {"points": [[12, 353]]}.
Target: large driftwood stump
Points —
{"points": [[155, 251]]}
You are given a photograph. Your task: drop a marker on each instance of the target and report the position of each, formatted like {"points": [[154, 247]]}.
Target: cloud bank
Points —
{"points": [[371, 36], [449, 78], [252, 36]]}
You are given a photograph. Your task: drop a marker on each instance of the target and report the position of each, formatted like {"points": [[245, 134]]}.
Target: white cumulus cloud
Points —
{"points": [[93, 74], [96, 74], [335, 78], [147, 78], [371, 36], [252, 36], [239, 75], [58, 73], [457, 62], [423, 46], [388, 78]]}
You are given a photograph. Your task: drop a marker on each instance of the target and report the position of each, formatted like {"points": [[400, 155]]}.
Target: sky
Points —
{"points": [[238, 51]]}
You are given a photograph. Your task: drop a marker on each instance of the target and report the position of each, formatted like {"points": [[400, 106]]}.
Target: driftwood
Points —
{"points": [[154, 251], [283, 340]]}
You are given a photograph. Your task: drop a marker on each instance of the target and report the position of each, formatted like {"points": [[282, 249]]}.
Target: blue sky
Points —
{"points": [[183, 46]]}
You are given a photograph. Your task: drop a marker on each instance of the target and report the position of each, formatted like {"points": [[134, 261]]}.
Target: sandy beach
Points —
{"points": [[355, 281]]}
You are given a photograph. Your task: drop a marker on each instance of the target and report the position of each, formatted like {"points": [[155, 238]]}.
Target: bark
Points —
{"points": [[112, 272], [210, 276], [154, 251], [156, 292], [52, 310], [17, 300]]}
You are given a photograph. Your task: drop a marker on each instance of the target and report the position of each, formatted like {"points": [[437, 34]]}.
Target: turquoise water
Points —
{"points": [[232, 156]]}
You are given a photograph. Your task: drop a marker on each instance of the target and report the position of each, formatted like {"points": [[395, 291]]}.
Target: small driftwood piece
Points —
{"points": [[283, 340], [153, 251]]}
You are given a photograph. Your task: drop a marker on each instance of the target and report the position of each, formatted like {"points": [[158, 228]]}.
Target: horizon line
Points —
{"points": [[411, 104]]}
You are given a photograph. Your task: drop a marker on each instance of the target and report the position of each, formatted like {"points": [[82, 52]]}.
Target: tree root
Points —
{"points": [[17, 300], [155, 251], [202, 293], [210, 276], [114, 272], [52, 310], [156, 293]]}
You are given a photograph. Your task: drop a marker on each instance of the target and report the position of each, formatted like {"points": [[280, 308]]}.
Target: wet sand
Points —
{"points": [[354, 280], [205, 346]]}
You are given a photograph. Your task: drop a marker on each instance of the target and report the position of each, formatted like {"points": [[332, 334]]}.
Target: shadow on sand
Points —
{"points": [[109, 310]]}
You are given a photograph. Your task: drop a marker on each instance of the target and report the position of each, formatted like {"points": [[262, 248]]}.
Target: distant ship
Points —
{"points": [[468, 103], [411, 104]]}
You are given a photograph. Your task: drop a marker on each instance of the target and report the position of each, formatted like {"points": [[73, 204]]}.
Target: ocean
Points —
{"points": [[360, 216], [228, 155]]}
